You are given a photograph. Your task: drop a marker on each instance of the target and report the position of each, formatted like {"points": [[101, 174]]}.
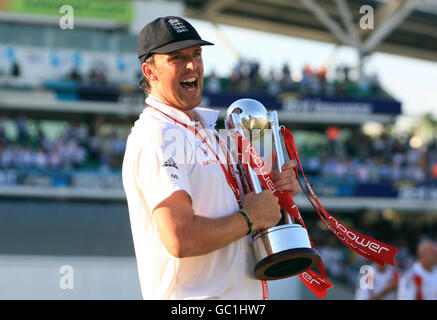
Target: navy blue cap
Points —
{"points": [[165, 35]]}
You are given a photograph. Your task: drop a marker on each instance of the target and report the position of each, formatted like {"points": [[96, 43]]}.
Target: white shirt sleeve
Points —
{"points": [[162, 166]]}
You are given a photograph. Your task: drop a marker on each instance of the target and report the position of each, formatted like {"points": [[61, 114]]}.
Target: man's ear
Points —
{"points": [[148, 72]]}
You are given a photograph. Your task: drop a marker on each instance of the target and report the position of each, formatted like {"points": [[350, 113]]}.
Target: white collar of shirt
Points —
{"points": [[209, 116]]}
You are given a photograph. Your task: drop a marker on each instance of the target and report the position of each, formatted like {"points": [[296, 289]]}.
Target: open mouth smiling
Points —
{"points": [[190, 84]]}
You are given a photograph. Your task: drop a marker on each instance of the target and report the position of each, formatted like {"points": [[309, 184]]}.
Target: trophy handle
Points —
{"points": [[256, 185], [273, 118], [274, 122]]}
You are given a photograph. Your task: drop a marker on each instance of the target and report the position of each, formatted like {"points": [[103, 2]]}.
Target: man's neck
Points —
{"points": [[191, 113]]}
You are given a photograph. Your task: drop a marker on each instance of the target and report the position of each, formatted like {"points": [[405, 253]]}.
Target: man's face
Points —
{"points": [[178, 77], [428, 256]]}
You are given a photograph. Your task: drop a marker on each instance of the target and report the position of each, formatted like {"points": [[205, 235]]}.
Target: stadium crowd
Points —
{"points": [[385, 159], [247, 76], [343, 81], [74, 148], [366, 159]]}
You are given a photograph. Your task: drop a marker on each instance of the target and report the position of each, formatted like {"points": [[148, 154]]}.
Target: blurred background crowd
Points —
{"points": [[246, 76], [30, 143], [74, 146]]}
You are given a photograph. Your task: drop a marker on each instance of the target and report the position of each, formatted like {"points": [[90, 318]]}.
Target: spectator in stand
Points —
{"points": [[314, 165], [305, 84], [361, 171], [15, 70], [431, 157], [234, 80], [273, 85], [286, 82], [420, 281], [346, 73], [321, 75], [245, 71], [213, 85], [363, 85], [74, 75], [24, 159], [93, 146], [3, 138], [434, 171], [98, 73], [40, 159], [21, 127], [381, 283], [6, 155], [116, 145], [256, 83], [54, 157], [315, 87], [374, 84]]}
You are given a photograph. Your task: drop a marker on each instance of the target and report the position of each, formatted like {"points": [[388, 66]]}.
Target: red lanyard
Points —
{"points": [[230, 172], [366, 246]]}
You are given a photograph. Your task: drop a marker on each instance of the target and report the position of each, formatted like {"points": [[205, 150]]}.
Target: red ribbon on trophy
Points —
{"points": [[368, 247]]}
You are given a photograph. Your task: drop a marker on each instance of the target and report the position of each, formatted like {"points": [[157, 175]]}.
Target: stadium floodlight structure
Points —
{"points": [[401, 27], [390, 15]]}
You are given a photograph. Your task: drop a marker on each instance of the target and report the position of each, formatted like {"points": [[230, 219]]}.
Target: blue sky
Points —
{"points": [[412, 81]]}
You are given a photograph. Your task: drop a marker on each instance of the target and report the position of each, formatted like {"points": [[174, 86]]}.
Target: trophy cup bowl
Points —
{"points": [[284, 250], [253, 115]]}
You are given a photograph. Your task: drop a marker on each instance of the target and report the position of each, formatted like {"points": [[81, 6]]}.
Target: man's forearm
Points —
{"points": [[204, 235], [186, 234]]}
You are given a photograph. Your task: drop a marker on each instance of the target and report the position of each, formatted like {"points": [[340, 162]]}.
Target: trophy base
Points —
{"points": [[286, 264], [283, 251]]}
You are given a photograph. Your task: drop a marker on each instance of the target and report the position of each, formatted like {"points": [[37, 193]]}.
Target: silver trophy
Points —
{"points": [[283, 250]]}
